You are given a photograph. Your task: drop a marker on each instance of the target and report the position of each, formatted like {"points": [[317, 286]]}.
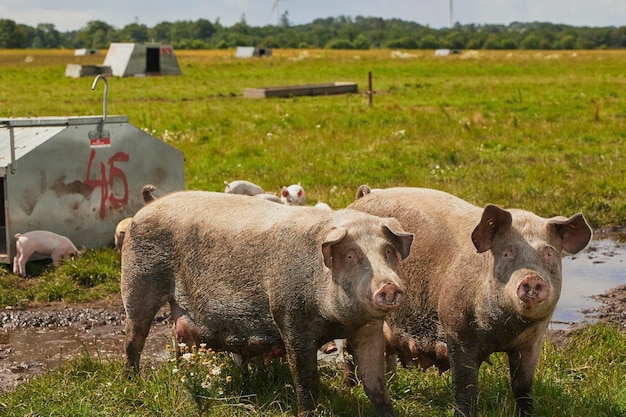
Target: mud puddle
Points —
{"points": [[41, 338], [35, 340], [596, 270]]}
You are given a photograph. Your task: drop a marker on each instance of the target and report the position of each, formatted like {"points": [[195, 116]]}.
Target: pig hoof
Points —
{"points": [[532, 290], [388, 296]]}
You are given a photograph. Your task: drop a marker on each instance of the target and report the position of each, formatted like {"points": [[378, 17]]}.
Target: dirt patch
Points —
{"points": [[611, 310], [613, 307], [39, 338]]}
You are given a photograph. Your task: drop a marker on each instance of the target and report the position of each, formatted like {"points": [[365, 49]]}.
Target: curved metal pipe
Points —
{"points": [[106, 92]]}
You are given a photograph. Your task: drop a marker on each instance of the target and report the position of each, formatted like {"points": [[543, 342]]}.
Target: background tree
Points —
{"points": [[331, 32], [134, 32], [10, 35], [162, 32], [96, 35], [47, 36]]}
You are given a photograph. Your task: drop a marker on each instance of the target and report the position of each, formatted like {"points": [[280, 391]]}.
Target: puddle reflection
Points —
{"points": [[600, 267]]}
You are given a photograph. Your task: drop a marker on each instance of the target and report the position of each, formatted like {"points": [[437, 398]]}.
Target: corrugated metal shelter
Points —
{"points": [[137, 59], [78, 176]]}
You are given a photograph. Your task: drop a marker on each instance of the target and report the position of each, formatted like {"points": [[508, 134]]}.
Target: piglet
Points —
{"points": [[120, 232], [242, 187], [43, 243], [293, 195], [122, 225]]}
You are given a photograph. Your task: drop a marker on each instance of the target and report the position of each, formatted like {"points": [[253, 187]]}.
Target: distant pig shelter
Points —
{"points": [[78, 176], [139, 59], [131, 60]]}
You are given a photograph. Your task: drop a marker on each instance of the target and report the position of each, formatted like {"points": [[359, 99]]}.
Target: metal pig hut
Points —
{"points": [[78, 176], [138, 59]]}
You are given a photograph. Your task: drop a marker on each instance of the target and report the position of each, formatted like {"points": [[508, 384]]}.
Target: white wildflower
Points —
{"points": [[400, 133]]}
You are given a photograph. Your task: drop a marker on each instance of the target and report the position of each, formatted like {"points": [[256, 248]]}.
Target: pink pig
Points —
{"points": [[44, 243]]}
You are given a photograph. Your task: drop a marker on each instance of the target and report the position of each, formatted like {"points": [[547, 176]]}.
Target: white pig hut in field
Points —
{"points": [[140, 59], [78, 176], [252, 51]]}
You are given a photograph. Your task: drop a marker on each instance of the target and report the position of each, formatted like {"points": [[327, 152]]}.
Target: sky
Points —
{"points": [[68, 15]]}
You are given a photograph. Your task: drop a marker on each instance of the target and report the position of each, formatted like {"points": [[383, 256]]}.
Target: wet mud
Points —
{"points": [[42, 337]]}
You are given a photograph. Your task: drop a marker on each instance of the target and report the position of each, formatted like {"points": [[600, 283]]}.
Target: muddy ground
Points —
{"points": [[39, 338]]}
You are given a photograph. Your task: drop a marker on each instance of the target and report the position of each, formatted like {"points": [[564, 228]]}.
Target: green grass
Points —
{"points": [[540, 131], [543, 132], [94, 275]]}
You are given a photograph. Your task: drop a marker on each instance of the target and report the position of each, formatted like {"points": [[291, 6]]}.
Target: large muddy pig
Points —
{"points": [[257, 278], [478, 281]]}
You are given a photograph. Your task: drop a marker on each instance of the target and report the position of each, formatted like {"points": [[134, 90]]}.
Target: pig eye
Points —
{"points": [[390, 252], [508, 253], [351, 257], [548, 254]]}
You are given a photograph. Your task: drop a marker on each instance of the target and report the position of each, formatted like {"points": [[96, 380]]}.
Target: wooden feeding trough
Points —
{"points": [[325, 89]]}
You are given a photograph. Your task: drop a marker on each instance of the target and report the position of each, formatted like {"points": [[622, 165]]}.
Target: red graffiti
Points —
{"points": [[106, 181]]}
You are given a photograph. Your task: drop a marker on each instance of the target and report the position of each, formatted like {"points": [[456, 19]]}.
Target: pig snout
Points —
{"points": [[388, 296], [533, 290]]}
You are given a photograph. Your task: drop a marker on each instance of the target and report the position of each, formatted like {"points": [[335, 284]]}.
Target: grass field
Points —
{"points": [[537, 130], [543, 131]]}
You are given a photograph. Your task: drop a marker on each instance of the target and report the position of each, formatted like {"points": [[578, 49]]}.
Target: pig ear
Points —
{"points": [[574, 231], [401, 240], [494, 220], [333, 236], [363, 190]]}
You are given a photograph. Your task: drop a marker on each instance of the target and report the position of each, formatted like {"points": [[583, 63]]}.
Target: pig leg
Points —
{"points": [[141, 303], [21, 257], [349, 377], [522, 365], [464, 364], [16, 264], [137, 329], [301, 351], [368, 345], [302, 357]]}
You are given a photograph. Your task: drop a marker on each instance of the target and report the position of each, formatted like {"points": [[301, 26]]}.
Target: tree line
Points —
{"points": [[341, 32]]}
